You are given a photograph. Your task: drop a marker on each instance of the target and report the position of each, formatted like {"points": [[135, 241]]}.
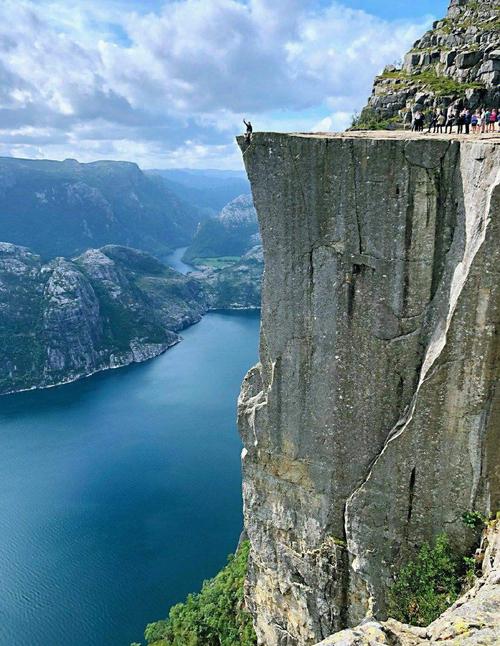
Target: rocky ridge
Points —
{"points": [[107, 308], [378, 357], [63, 208], [458, 60], [231, 234]]}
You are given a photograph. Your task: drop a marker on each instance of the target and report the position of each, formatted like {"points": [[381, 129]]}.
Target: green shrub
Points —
{"points": [[370, 120], [214, 617], [473, 519], [427, 586]]}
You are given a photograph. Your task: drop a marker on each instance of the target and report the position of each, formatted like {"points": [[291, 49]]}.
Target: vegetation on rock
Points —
{"points": [[216, 616], [70, 318], [64, 208], [428, 585]]}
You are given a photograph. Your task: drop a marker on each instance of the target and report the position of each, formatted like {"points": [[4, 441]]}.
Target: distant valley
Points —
{"points": [[231, 234], [208, 190], [83, 282], [62, 208]]}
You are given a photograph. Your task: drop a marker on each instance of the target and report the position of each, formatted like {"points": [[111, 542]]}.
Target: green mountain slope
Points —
{"points": [[232, 233], [70, 318], [63, 208]]}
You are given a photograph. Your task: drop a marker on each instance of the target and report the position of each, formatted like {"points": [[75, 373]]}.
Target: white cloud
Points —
{"points": [[103, 81]]}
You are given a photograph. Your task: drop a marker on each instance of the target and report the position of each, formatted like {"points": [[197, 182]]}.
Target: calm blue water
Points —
{"points": [[120, 493], [174, 261]]}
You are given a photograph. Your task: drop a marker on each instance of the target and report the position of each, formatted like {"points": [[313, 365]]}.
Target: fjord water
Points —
{"points": [[175, 261], [122, 492]]}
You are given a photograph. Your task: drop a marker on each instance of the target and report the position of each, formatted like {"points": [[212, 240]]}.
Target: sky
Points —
{"points": [[166, 83]]}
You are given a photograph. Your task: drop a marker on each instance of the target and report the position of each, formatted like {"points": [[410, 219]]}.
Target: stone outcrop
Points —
{"points": [[372, 421], [472, 620], [458, 60]]}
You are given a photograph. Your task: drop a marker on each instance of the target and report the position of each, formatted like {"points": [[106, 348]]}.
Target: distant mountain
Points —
{"points": [[209, 190], [63, 208], [237, 286], [69, 318], [232, 233]]}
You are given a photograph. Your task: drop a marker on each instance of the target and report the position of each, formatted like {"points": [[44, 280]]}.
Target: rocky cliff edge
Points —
{"points": [[372, 422]]}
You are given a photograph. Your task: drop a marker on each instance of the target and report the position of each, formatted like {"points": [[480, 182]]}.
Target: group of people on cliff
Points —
{"points": [[465, 120]]}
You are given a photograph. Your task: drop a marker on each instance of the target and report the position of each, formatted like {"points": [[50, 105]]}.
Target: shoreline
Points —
{"points": [[76, 378]]}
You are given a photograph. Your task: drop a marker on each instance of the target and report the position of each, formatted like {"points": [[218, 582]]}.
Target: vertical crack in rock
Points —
{"points": [[355, 164], [477, 217]]}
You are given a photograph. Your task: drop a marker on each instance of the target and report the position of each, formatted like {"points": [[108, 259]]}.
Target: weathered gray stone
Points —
{"points": [[473, 620], [468, 59], [370, 423]]}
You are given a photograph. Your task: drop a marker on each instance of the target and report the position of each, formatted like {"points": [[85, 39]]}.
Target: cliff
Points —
{"points": [[372, 422], [68, 319], [458, 60]]}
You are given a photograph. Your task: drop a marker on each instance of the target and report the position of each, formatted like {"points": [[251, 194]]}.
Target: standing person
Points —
{"points": [[482, 121], [493, 120], [487, 116], [468, 118], [474, 120], [407, 119], [432, 121], [441, 122], [249, 132], [498, 119], [450, 120], [461, 122], [419, 121]]}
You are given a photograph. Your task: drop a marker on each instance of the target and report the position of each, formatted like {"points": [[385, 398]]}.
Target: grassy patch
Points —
{"points": [[216, 262], [370, 120], [428, 79]]}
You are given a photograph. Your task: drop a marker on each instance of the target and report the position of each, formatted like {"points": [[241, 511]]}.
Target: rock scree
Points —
{"points": [[372, 421]]}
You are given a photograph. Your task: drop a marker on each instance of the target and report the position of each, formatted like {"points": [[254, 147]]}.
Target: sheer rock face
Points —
{"points": [[370, 423], [463, 48]]}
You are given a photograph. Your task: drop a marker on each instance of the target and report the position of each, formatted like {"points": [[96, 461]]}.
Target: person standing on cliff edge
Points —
{"points": [[248, 134]]}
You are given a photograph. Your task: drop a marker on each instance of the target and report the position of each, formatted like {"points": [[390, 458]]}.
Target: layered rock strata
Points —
{"points": [[372, 421]]}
